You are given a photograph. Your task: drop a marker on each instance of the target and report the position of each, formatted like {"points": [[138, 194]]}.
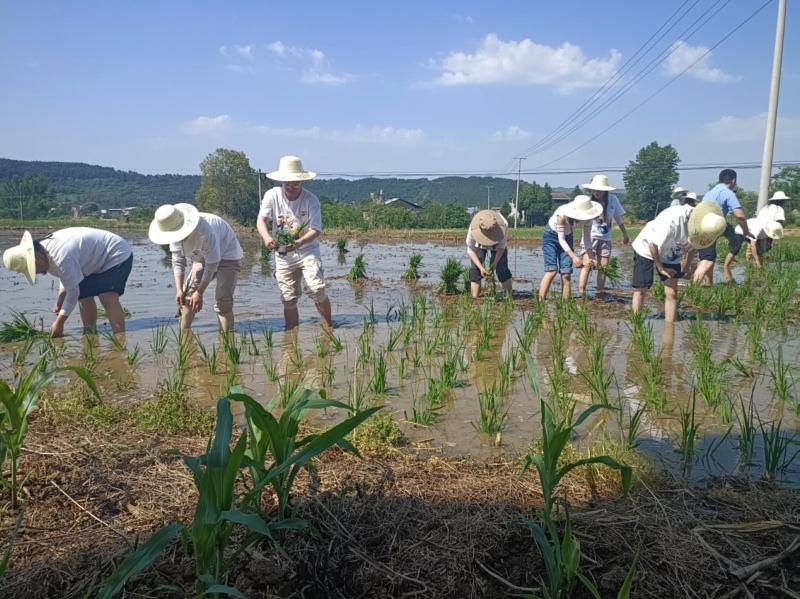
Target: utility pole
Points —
{"points": [[516, 198], [772, 113], [259, 185], [489, 197]]}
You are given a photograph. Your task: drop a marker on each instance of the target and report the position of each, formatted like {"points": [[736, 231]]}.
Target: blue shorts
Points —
{"points": [[113, 279], [555, 258]]}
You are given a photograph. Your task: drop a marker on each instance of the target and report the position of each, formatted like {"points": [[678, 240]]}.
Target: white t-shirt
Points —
{"points": [[755, 226], [669, 231], [771, 212], [76, 252], [286, 215], [601, 226], [213, 240]]}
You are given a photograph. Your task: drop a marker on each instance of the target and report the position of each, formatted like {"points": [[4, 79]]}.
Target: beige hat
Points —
{"points": [[598, 183], [773, 229], [488, 227], [778, 196], [22, 258], [706, 223], [291, 169], [677, 191], [582, 208], [690, 195], [173, 223]]}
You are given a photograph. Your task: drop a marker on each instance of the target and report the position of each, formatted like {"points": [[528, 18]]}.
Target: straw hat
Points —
{"points": [[291, 169], [22, 258], [778, 196], [598, 183], [582, 208], [677, 191], [706, 223], [173, 223], [488, 227], [773, 229]]}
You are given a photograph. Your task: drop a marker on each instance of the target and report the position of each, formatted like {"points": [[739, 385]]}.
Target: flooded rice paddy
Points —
{"points": [[392, 347]]}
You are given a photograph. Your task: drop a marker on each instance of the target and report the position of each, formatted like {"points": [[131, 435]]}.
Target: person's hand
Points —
{"points": [[56, 309], [180, 297], [291, 247], [484, 272], [272, 244], [668, 272], [57, 328], [625, 239], [588, 262], [196, 302], [577, 262]]}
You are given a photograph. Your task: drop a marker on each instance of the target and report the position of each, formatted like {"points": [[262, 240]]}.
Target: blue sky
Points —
{"points": [[384, 86]]}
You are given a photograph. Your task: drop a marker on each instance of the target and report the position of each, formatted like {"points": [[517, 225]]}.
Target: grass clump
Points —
{"points": [[378, 435], [358, 271], [171, 412]]}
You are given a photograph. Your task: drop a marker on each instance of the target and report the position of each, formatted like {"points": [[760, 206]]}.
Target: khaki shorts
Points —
{"points": [[290, 280], [226, 278], [600, 247]]}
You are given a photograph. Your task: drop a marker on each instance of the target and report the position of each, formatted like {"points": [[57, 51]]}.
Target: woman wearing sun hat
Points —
{"points": [[88, 262], [558, 239], [601, 229], [662, 241], [760, 230], [214, 249], [488, 233], [773, 211]]}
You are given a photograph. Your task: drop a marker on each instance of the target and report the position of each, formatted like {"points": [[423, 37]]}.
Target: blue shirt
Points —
{"points": [[722, 195]]}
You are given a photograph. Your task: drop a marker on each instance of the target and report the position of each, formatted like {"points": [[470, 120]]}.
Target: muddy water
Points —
{"points": [[150, 295]]}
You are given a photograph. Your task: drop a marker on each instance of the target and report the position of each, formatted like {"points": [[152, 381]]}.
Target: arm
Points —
{"points": [[266, 235], [754, 251], [314, 229], [562, 241], [307, 237], [656, 255], [178, 270], [474, 259], [62, 294], [738, 213], [69, 302], [589, 257], [498, 254], [212, 260]]}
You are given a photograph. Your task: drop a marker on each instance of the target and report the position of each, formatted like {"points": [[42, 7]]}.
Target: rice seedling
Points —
{"points": [[743, 370], [781, 379], [372, 319], [401, 368], [296, 357], [777, 449], [52, 348], [208, 356], [288, 390], [651, 377], [356, 396], [265, 253], [19, 329], [493, 417], [115, 341], [232, 350], [393, 342], [746, 418], [450, 277], [269, 343], [377, 383], [321, 347], [17, 405], [252, 346], [341, 245], [90, 358], [448, 372], [134, 357], [597, 377], [641, 334], [630, 433], [412, 270], [754, 337], [364, 347], [580, 316], [358, 271], [334, 342], [158, 342], [688, 439], [611, 272]]}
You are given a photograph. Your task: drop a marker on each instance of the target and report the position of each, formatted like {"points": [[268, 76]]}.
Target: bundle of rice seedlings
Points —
{"points": [[19, 329]]}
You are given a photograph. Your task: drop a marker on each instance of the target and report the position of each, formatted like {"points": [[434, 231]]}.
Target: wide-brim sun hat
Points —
{"points": [[677, 191], [488, 227], [598, 183], [582, 208], [706, 224], [690, 195], [290, 169], [778, 196], [22, 258], [773, 229], [173, 223]]}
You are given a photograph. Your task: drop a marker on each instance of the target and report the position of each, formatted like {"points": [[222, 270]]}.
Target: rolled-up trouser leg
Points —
{"points": [[227, 276]]}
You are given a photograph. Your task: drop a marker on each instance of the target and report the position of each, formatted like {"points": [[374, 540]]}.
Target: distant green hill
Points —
{"points": [[80, 183]]}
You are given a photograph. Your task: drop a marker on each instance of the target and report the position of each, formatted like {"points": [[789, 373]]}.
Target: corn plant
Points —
{"points": [[561, 552], [158, 342], [412, 271], [451, 275], [17, 405], [358, 271]]}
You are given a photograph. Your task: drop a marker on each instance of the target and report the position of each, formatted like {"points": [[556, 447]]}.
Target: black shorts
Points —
{"points": [[113, 279], [710, 253], [764, 245], [736, 244], [502, 271], [643, 272]]}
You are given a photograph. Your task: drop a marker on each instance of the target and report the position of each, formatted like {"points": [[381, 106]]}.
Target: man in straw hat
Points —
{"points": [[723, 194], [488, 233], [557, 240], [773, 211], [88, 262], [761, 230], [214, 249], [662, 241], [601, 229], [295, 216]]}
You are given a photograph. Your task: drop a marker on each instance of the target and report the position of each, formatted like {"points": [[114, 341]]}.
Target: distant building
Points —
{"points": [[401, 203], [117, 212], [560, 198]]}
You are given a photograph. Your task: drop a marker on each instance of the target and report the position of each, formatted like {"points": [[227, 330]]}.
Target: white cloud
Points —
{"points": [[513, 133], [734, 129], [237, 51], [313, 67], [207, 124], [527, 63], [682, 55], [240, 68], [358, 134]]}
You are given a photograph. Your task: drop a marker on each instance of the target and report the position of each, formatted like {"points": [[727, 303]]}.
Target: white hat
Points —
{"points": [[582, 208], [778, 196], [488, 227], [773, 229], [598, 183], [291, 169], [677, 191], [690, 195], [22, 258], [706, 223], [173, 223]]}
